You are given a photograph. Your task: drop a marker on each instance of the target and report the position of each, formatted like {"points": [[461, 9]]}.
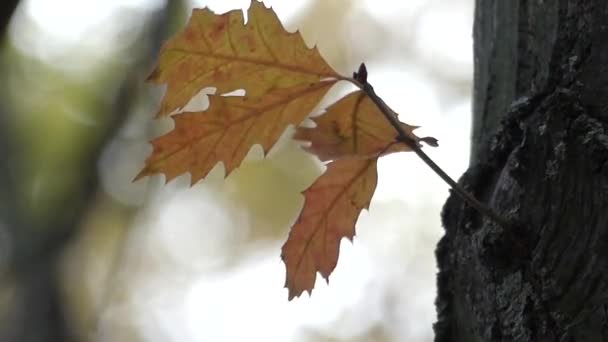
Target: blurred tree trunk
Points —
{"points": [[7, 8], [540, 159], [31, 304]]}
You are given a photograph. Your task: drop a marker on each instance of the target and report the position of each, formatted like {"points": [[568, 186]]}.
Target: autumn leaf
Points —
{"points": [[352, 127], [332, 206], [284, 81], [353, 134], [227, 129], [220, 51]]}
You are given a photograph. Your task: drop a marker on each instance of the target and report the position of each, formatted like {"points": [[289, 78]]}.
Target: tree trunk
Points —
{"points": [[539, 159], [32, 307]]}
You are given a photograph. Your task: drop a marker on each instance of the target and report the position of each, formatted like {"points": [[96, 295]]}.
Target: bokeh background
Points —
{"points": [[88, 255]]}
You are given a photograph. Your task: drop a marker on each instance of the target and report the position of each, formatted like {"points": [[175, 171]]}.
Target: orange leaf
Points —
{"points": [[284, 81], [352, 127], [221, 51], [227, 130], [332, 205]]}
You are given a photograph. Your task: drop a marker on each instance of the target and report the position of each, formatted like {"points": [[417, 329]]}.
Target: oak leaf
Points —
{"points": [[227, 129], [332, 206], [284, 81], [352, 133], [352, 127], [221, 51]]}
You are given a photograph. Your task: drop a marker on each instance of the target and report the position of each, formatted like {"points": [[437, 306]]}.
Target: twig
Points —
{"points": [[360, 80]]}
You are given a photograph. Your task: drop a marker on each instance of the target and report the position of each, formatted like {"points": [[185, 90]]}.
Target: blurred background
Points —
{"points": [[88, 255]]}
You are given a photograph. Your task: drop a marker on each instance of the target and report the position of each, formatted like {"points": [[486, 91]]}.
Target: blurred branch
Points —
{"points": [[162, 28], [37, 314], [7, 8], [31, 295]]}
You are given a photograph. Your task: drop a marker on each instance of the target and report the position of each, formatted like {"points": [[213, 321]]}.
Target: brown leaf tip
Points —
{"points": [[296, 294]]}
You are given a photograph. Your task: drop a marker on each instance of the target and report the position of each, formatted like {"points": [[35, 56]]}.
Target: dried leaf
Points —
{"points": [[332, 206], [352, 127], [220, 51], [353, 133], [227, 129], [284, 81]]}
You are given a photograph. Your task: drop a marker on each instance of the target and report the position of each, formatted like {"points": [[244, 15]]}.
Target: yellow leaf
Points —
{"points": [[284, 81], [332, 206], [352, 127], [221, 51], [227, 130]]}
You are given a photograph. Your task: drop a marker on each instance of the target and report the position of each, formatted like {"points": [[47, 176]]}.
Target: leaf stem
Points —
{"points": [[360, 80]]}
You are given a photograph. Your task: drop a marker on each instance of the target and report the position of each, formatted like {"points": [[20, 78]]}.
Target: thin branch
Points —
{"points": [[360, 80], [157, 30]]}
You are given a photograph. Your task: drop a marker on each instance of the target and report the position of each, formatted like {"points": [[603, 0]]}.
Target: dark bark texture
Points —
{"points": [[540, 159]]}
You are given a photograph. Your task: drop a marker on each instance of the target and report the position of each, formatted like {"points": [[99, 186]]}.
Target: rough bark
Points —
{"points": [[540, 159]]}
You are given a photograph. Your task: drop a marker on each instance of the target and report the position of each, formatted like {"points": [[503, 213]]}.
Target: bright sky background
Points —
{"points": [[385, 279]]}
